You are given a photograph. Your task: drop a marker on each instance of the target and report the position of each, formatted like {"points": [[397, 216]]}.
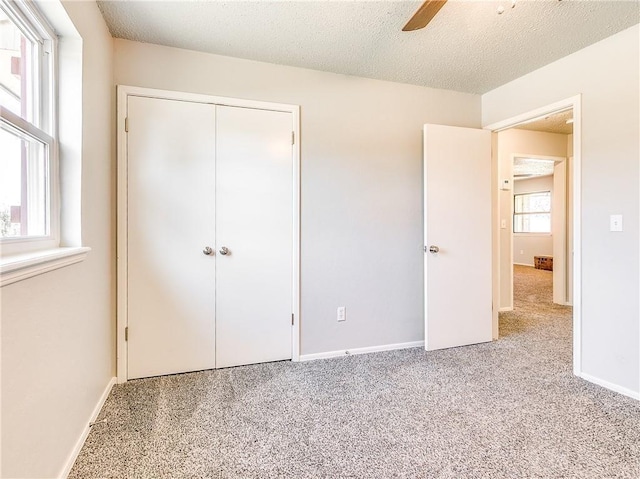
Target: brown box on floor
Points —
{"points": [[543, 262]]}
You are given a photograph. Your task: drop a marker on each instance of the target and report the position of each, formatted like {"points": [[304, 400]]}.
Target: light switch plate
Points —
{"points": [[615, 223]]}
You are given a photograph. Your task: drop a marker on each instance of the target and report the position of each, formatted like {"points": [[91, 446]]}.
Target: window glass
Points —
{"points": [[16, 70], [533, 202], [532, 212], [26, 92], [24, 179]]}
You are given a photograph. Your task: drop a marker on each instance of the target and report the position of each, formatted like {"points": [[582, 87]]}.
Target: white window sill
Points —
{"points": [[17, 267]]}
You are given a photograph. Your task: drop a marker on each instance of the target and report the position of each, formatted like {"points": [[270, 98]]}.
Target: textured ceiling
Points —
{"points": [[525, 168], [556, 123], [467, 47]]}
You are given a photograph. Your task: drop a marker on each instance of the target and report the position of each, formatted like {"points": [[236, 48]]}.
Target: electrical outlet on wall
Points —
{"points": [[342, 313]]}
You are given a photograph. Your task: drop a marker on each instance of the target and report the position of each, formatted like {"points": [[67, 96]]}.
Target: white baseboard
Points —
{"points": [[85, 433], [610, 386], [505, 309], [370, 349], [524, 264]]}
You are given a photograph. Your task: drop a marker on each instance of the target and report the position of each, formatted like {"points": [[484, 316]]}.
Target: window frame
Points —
{"points": [[43, 128], [529, 213]]}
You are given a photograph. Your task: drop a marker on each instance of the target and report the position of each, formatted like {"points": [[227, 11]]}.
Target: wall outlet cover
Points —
{"points": [[615, 223]]}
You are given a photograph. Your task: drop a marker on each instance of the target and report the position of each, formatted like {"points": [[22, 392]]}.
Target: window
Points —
{"points": [[532, 212], [28, 169], [30, 125]]}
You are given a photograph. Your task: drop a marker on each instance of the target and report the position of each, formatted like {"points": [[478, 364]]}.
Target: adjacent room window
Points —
{"points": [[28, 169], [532, 212]]}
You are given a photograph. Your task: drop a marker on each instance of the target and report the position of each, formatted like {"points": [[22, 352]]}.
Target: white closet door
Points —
{"points": [[254, 221], [171, 219]]}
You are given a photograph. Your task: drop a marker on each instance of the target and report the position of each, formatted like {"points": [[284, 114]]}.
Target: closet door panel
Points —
{"points": [[171, 219], [254, 221]]}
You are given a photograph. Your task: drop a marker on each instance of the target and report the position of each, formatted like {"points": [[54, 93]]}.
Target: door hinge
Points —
{"points": [[126, 124], [293, 137], [291, 319], [126, 333]]}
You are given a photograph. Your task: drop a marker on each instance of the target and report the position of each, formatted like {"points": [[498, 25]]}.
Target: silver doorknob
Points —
{"points": [[224, 251], [433, 249], [207, 250]]}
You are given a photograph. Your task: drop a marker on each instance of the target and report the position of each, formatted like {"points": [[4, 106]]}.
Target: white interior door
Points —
{"points": [[559, 231], [171, 207], [457, 222], [254, 221], [569, 239]]}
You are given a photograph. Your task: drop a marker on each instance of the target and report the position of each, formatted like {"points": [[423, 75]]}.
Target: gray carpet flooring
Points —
{"points": [[507, 409]]}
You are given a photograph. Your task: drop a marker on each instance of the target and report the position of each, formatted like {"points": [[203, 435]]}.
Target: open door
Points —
{"points": [[457, 233], [559, 229]]}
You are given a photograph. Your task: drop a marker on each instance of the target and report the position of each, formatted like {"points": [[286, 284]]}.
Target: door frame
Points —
{"points": [[123, 92], [575, 103]]}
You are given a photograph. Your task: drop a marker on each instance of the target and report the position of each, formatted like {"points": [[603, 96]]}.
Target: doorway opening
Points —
{"points": [[540, 210], [536, 220]]}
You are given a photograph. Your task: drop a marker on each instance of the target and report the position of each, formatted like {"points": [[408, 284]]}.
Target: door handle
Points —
{"points": [[224, 251], [207, 250], [433, 249]]}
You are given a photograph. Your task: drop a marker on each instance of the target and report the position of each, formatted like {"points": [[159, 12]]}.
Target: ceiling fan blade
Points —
{"points": [[424, 15]]}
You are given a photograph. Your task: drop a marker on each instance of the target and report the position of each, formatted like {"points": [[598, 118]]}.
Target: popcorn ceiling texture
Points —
{"points": [[468, 47], [506, 409], [551, 124]]}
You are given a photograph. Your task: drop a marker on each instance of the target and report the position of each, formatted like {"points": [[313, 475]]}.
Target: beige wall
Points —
{"points": [[518, 142], [58, 350], [528, 245], [361, 182], [606, 75]]}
